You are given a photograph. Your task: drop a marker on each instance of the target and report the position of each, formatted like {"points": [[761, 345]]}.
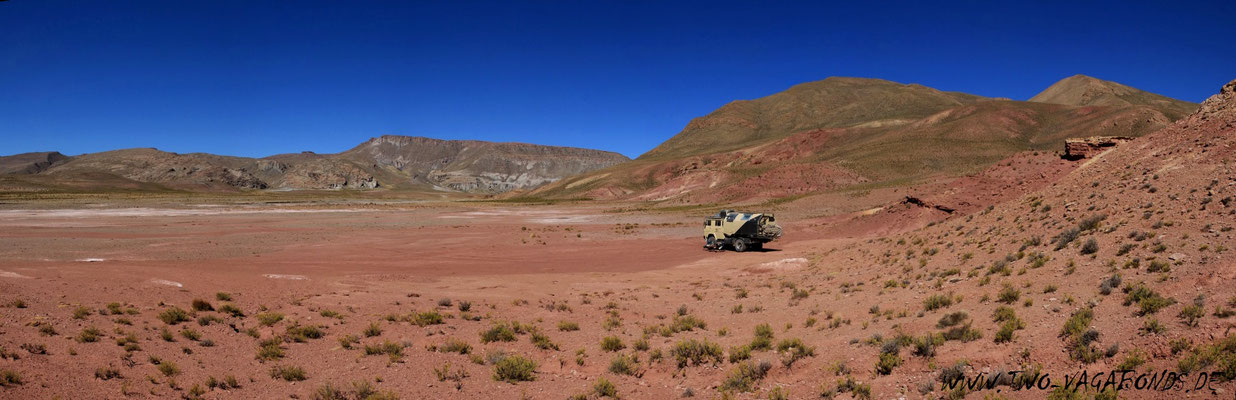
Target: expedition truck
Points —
{"points": [[739, 230]]}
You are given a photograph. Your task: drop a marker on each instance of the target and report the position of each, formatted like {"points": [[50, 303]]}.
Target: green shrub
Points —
{"points": [[230, 309], [745, 376], [1066, 237], [763, 337], [202, 305], [1091, 246], [270, 349], [937, 301], [952, 319], [696, 352], [288, 373], [739, 353], [1077, 323], [1147, 301], [302, 333], [1008, 294], [887, 362], [431, 317], [624, 365], [191, 334], [455, 346], [542, 341], [374, 329], [168, 368], [9, 377], [174, 315], [604, 388], [499, 332], [89, 335], [793, 350], [513, 369], [567, 326], [390, 349], [269, 318], [1191, 313], [612, 343]]}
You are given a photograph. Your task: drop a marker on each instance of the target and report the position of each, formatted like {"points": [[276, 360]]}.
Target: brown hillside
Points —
{"points": [[831, 103]]}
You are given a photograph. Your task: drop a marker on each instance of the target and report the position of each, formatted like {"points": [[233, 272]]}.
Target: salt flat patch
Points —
{"points": [[166, 282], [160, 212], [7, 274], [288, 277], [90, 260], [533, 216], [782, 265]]}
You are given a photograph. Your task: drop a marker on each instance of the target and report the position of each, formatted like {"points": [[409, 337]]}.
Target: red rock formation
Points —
{"points": [[1076, 149]]}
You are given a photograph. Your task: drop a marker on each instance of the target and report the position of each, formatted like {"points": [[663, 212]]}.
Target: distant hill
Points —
{"points": [[396, 162], [842, 132], [1081, 90]]}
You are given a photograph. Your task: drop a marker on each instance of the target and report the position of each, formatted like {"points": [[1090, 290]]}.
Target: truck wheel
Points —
{"points": [[740, 245], [710, 242]]}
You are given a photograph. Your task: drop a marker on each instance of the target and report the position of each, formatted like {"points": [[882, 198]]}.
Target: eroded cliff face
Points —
{"points": [[475, 166]]}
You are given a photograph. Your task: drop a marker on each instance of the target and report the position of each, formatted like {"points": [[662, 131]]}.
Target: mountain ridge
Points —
{"points": [[451, 165]]}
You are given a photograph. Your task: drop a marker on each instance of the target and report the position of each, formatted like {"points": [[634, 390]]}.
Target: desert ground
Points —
{"points": [[432, 299]]}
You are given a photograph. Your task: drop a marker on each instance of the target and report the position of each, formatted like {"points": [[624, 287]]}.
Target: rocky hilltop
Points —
{"points": [[1082, 90], [397, 162]]}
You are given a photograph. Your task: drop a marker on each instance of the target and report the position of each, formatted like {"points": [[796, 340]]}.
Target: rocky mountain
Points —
{"points": [[476, 166], [1081, 90], [842, 132], [397, 162]]}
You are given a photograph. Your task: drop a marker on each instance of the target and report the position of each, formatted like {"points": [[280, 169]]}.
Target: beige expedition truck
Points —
{"points": [[739, 230]]}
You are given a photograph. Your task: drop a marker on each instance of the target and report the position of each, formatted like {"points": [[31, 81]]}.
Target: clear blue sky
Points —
{"points": [[255, 78]]}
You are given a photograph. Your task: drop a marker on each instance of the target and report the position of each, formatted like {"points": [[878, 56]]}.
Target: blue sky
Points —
{"points": [[255, 78]]}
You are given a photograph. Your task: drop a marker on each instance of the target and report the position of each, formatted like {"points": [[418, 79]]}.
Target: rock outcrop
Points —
{"points": [[1079, 148]]}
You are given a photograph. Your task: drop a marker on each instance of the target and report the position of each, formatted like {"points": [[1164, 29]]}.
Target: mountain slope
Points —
{"points": [[390, 161], [964, 134], [1081, 90], [831, 103], [1129, 255]]}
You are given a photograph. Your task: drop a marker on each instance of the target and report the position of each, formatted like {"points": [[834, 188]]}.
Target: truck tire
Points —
{"points": [[710, 242], [740, 245]]}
